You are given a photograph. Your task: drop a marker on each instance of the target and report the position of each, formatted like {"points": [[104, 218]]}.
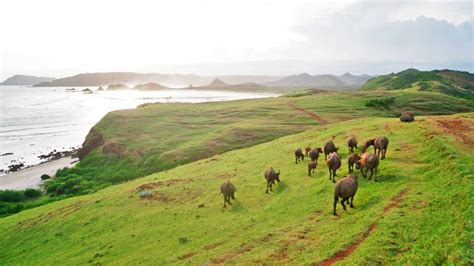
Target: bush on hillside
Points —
{"points": [[32, 193], [382, 102], [11, 196]]}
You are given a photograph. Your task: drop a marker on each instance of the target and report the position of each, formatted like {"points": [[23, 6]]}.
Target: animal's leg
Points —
{"points": [[352, 202], [375, 178], [267, 189], [371, 173], [336, 199], [334, 176], [343, 205], [224, 201], [384, 151], [362, 171], [329, 173], [228, 200]]}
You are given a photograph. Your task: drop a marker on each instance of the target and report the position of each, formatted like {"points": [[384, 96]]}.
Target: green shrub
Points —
{"points": [[11, 196], [32, 193], [382, 102]]}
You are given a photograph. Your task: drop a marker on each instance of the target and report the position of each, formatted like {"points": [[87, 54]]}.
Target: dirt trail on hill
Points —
{"points": [[307, 112], [342, 254]]}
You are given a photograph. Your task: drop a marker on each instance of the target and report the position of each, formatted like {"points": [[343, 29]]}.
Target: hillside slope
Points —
{"points": [[130, 143], [418, 213], [450, 82]]}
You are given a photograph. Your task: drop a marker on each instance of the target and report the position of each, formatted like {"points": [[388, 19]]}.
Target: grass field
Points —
{"points": [[158, 137], [418, 213]]}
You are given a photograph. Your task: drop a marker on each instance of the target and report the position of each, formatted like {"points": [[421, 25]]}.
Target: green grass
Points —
{"points": [[449, 82], [432, 224], [158, 137]]}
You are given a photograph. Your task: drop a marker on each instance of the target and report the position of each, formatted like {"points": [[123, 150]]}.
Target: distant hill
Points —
{"points": [[217, 83], [320, 81], [151, 86], [130, 78], [25, 80], [450, 82]]}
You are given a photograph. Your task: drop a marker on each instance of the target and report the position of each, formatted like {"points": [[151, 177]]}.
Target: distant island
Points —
{"points": [[150, 86], [118, 86], [25, 80]]}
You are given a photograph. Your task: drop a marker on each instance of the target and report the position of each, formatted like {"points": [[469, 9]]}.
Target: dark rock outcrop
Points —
{"points": [[93, 140]]}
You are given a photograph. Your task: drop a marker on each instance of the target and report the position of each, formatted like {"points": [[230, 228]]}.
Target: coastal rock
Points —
{"points": [[15, 167], [100, 88]]}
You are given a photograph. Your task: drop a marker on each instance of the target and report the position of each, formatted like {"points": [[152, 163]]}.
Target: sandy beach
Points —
{"points": [[31, 177]]}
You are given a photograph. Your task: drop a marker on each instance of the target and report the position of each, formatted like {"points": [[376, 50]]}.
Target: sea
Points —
{"points": [[36, 121]]}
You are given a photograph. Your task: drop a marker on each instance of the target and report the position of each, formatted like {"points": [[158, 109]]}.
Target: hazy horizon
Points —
{"points": [[209, 38]]}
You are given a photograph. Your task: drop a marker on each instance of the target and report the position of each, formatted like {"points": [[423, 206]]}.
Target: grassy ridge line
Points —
{"points": [[162, 136], [449, 82], [293, 224]]}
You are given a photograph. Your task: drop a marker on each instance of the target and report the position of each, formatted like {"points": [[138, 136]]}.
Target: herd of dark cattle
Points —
{"points": [[345, 188]]}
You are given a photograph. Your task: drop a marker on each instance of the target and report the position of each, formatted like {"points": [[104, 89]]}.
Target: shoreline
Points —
{"points": [[31, 177]]}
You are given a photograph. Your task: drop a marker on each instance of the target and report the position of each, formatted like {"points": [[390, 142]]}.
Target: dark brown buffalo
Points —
{"points": [[311, 167], [271, 176], [354, 159], [299, 156], [352, 144], [334, 162], [314, 154], [380, 145], [329, 147], [228, 190], [369, 162], [345, 189]]}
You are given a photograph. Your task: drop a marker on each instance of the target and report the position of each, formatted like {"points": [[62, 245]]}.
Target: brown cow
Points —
{"points": [[354, 159], [369, 162]]}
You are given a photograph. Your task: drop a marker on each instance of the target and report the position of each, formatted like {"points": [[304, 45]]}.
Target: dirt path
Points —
{"points": [[316, 117], [342, 254]]}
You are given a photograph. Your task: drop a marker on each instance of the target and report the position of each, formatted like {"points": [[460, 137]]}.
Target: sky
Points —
{"points": [[215, 37]]}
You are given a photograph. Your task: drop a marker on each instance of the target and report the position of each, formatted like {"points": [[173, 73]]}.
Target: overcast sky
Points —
{"points": [[58, 38]]}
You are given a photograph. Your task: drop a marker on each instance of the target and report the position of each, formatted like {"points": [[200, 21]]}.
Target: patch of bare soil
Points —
{"points": [[230, 256], [167, 183], [187, 255], [316, 117], [342, 254], [461, 129]]}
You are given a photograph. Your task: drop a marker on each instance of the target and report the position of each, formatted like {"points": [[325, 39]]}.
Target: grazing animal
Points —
{"points": [[345, 189], [228, 190], [299, 156], [312, 166], [307, 150], [352, 144], [329, 147], [314, 154], [354, 159], [369, 162], [271, 176], [380, 145], [334, 162]]}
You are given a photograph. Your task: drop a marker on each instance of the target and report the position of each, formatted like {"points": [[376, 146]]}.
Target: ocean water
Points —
{"points": [[36, 121]]}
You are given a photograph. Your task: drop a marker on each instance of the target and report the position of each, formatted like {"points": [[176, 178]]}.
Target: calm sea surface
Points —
{"points": [[35, 121]]}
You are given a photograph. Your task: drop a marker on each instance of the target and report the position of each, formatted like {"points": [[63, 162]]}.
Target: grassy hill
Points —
{"points": [[131, 143], [418, 213], [450, 82]]}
